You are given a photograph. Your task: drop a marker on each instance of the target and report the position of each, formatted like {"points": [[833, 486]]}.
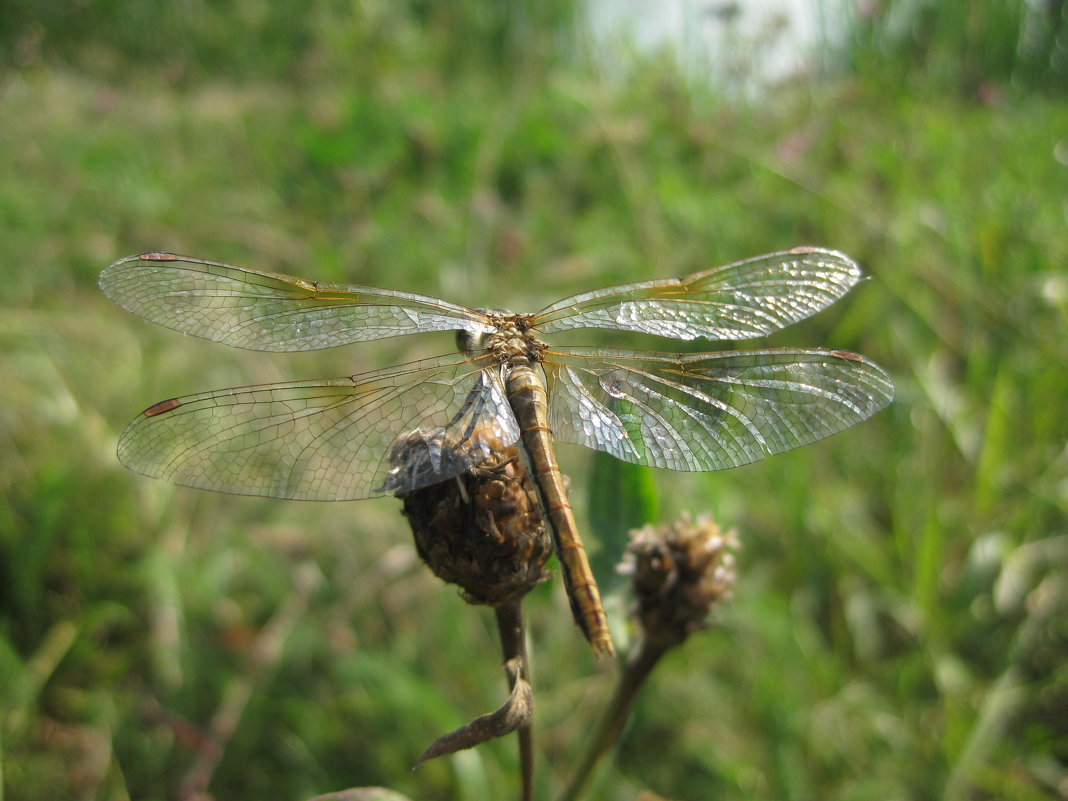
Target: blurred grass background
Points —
{"points": [[900, 628]]}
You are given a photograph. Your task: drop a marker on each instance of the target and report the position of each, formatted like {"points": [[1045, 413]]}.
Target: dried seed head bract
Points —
{"points": [[482, 530], [678, 572]]}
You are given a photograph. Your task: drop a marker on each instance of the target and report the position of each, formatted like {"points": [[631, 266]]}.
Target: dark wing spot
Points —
{"points": [[847, 355], [162, 407]]}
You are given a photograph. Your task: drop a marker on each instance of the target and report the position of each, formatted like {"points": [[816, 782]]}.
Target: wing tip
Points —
{"points": [[888, 391], [112, 271]]}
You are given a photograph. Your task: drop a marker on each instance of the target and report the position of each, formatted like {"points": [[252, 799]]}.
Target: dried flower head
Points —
{"points": [[482, 530], [678, 572]]}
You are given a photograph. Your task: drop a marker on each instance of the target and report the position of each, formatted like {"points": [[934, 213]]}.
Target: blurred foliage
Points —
{"points": [[264, 40], [899, 626], [962, 47]]}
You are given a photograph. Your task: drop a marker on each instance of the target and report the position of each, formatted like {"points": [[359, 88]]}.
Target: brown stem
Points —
{"points": [[635, 672], [514, 646]]}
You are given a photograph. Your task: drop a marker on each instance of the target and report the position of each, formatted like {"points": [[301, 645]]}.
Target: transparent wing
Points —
{"points": [[737, 301], [708, 411], [337, 439], [258, 310]]}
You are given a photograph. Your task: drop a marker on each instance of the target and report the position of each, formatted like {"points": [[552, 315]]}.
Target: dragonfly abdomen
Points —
{"points": [[527, 397]]}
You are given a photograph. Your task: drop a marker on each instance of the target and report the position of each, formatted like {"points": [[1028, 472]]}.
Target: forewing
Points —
{"points": [[258, 310], [737, 301], [330, 440], [708, 411]]}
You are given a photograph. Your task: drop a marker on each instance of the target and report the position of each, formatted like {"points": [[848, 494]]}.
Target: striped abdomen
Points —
{"points": [[526, 394]]}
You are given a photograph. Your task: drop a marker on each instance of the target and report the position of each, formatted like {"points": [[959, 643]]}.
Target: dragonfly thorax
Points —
{"points": [[511, 340]]}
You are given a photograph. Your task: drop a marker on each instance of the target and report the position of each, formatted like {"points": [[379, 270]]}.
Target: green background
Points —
{"points": [[899, 628]]}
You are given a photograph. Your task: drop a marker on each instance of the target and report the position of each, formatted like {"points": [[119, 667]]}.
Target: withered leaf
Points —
{"points": [[516, 712]]}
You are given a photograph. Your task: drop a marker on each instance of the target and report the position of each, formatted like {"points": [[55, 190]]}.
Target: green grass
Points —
{"points": [[959, 48], [898, 629]]}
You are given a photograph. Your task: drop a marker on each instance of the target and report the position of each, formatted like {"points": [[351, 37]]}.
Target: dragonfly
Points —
{"points": [[412, 425]]}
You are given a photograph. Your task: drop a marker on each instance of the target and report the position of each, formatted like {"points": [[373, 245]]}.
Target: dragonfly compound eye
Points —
{"points": [[471, 342]]}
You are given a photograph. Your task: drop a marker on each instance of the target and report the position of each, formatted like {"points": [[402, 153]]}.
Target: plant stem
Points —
{"points": [[512, 632], [636, 670]]}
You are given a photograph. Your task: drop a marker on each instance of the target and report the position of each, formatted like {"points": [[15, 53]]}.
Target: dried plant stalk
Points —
{"points": [[485, 532], [678, 573]]}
